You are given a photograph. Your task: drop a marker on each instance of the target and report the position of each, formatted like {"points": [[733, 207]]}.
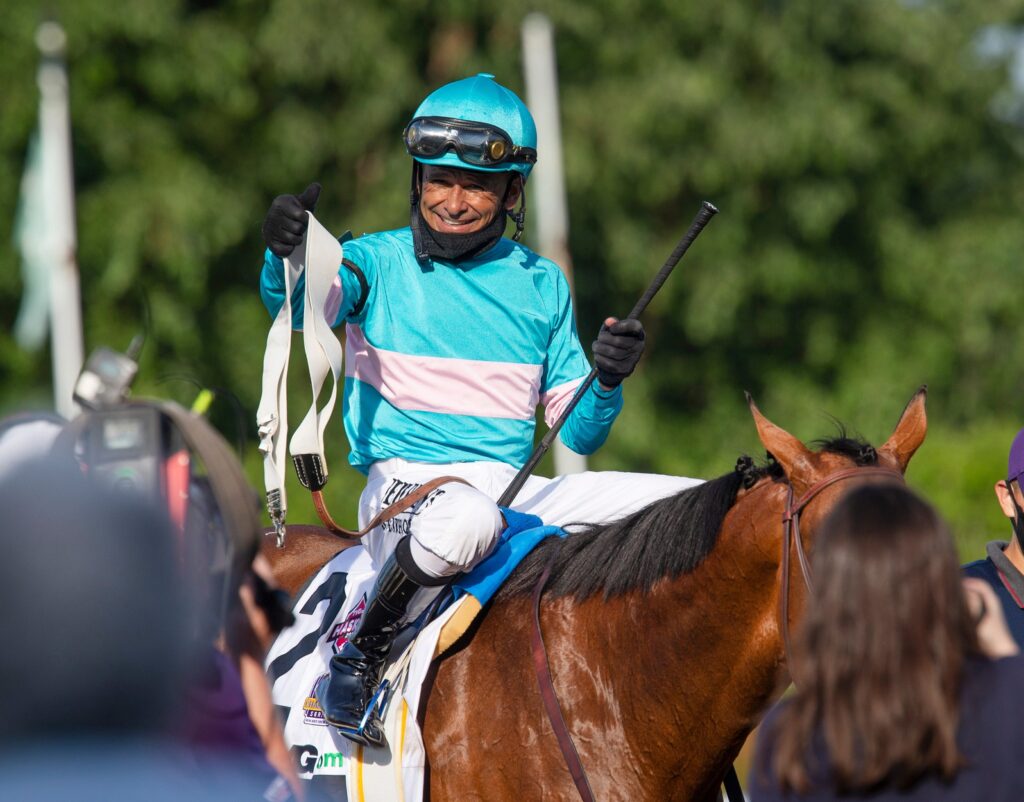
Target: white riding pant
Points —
{"points": [[457, 525]]}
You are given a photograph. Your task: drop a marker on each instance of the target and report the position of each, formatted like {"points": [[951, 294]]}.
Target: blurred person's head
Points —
{"points": [[880, 656], [1008, 490], [93, 614], [25, 436], [175, 460]]}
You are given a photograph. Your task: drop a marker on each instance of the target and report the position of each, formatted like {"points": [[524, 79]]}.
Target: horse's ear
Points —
{"points": [[794, 457], [910, 431]]}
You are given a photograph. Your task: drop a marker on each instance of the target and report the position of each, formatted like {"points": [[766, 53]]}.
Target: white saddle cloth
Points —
{"points": [[299, 659]]}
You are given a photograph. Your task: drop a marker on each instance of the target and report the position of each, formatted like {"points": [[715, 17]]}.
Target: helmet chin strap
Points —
{"points": [[518, 217], [414, 189], [415, 220]]}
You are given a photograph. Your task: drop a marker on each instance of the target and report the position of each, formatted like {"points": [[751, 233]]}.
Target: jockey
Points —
{"points": [[454, 334]]}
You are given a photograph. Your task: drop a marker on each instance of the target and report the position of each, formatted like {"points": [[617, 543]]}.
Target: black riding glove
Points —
{"points": [[617, 349], [285, 223]]}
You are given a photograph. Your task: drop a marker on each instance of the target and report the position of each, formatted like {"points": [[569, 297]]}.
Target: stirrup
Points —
{"points": [[378, 704]]}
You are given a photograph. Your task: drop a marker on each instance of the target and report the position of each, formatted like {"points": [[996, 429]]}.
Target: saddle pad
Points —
{"points": [[326, 613], [522, 533]]}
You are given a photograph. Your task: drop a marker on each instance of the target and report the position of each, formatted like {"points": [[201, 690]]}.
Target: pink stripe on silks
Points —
{"points": [[444, 384], [335, 295], [557, 398]]}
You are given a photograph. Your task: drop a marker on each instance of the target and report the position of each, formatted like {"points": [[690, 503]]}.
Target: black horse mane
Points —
{"points": [[667, 538]]}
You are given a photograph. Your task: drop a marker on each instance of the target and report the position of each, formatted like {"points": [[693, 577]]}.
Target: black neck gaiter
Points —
{"points": [[1018, 519], [430, 244]]}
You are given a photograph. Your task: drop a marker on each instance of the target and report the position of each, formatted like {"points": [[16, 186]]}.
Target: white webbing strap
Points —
{"points": [[272, 414], [321, 253], [323, 351]]}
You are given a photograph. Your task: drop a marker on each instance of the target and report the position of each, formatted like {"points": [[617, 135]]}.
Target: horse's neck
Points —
{"points": [[701, 652]]}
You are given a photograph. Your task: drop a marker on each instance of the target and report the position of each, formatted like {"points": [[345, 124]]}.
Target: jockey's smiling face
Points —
{"points": [[455, 201]]}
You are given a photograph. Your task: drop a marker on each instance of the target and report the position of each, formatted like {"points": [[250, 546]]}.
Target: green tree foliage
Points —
{"points": [[868, 240]]}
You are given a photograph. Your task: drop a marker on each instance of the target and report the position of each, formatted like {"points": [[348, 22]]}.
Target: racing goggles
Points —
{"points": [[478, 144]]}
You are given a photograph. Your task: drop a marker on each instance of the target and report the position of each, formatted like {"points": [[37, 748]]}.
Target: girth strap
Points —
{"points": [[550, 699]]}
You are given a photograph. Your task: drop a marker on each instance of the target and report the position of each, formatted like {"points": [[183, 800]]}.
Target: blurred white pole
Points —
{"points": [[59, 199], [551, 209]]}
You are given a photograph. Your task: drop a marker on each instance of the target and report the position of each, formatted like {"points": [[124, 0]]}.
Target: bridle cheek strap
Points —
{"points": [[791, 536]]}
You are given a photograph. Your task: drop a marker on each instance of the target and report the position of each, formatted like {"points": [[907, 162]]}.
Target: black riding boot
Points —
{"points": [[355, 672]]}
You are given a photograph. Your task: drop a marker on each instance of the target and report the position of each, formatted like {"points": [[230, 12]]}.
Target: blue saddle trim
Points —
{"points": [[523, 532]]}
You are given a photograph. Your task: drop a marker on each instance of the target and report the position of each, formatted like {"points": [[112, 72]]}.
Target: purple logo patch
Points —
{"points": [[311, 710], [338, 636]]}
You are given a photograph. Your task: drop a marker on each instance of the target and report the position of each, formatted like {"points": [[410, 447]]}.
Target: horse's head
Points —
{"points": [[815, 480]]}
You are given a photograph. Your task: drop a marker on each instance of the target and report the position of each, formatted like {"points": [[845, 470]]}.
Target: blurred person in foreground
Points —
{"points": [[1003, 565], [97, 648], [454, 335], [229, 714], [109, 660], [25, 436], [907, 679]]}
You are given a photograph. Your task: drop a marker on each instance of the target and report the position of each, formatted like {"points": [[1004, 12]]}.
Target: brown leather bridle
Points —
{"points": [[791, 536]]}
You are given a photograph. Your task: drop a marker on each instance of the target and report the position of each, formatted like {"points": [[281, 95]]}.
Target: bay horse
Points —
{"points": [[663, 632]]}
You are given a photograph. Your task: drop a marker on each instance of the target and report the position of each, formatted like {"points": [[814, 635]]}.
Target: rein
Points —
{"points": [[791, 537]]}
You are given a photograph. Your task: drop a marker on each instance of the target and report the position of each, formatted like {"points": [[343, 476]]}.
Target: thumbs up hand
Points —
{"points": [[285, 223]]}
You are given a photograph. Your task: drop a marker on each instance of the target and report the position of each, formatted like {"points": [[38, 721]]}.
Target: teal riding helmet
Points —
{"points": [[481, 100]]}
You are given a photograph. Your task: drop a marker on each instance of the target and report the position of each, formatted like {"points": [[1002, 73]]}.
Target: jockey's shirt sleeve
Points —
{"points": [[346, 300], [565, 368]]}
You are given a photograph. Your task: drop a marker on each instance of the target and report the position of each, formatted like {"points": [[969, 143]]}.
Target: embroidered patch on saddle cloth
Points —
{"points": [[299, 657]]}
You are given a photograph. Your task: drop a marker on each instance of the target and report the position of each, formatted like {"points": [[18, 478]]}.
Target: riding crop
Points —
{"points": [[707, 211]]}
